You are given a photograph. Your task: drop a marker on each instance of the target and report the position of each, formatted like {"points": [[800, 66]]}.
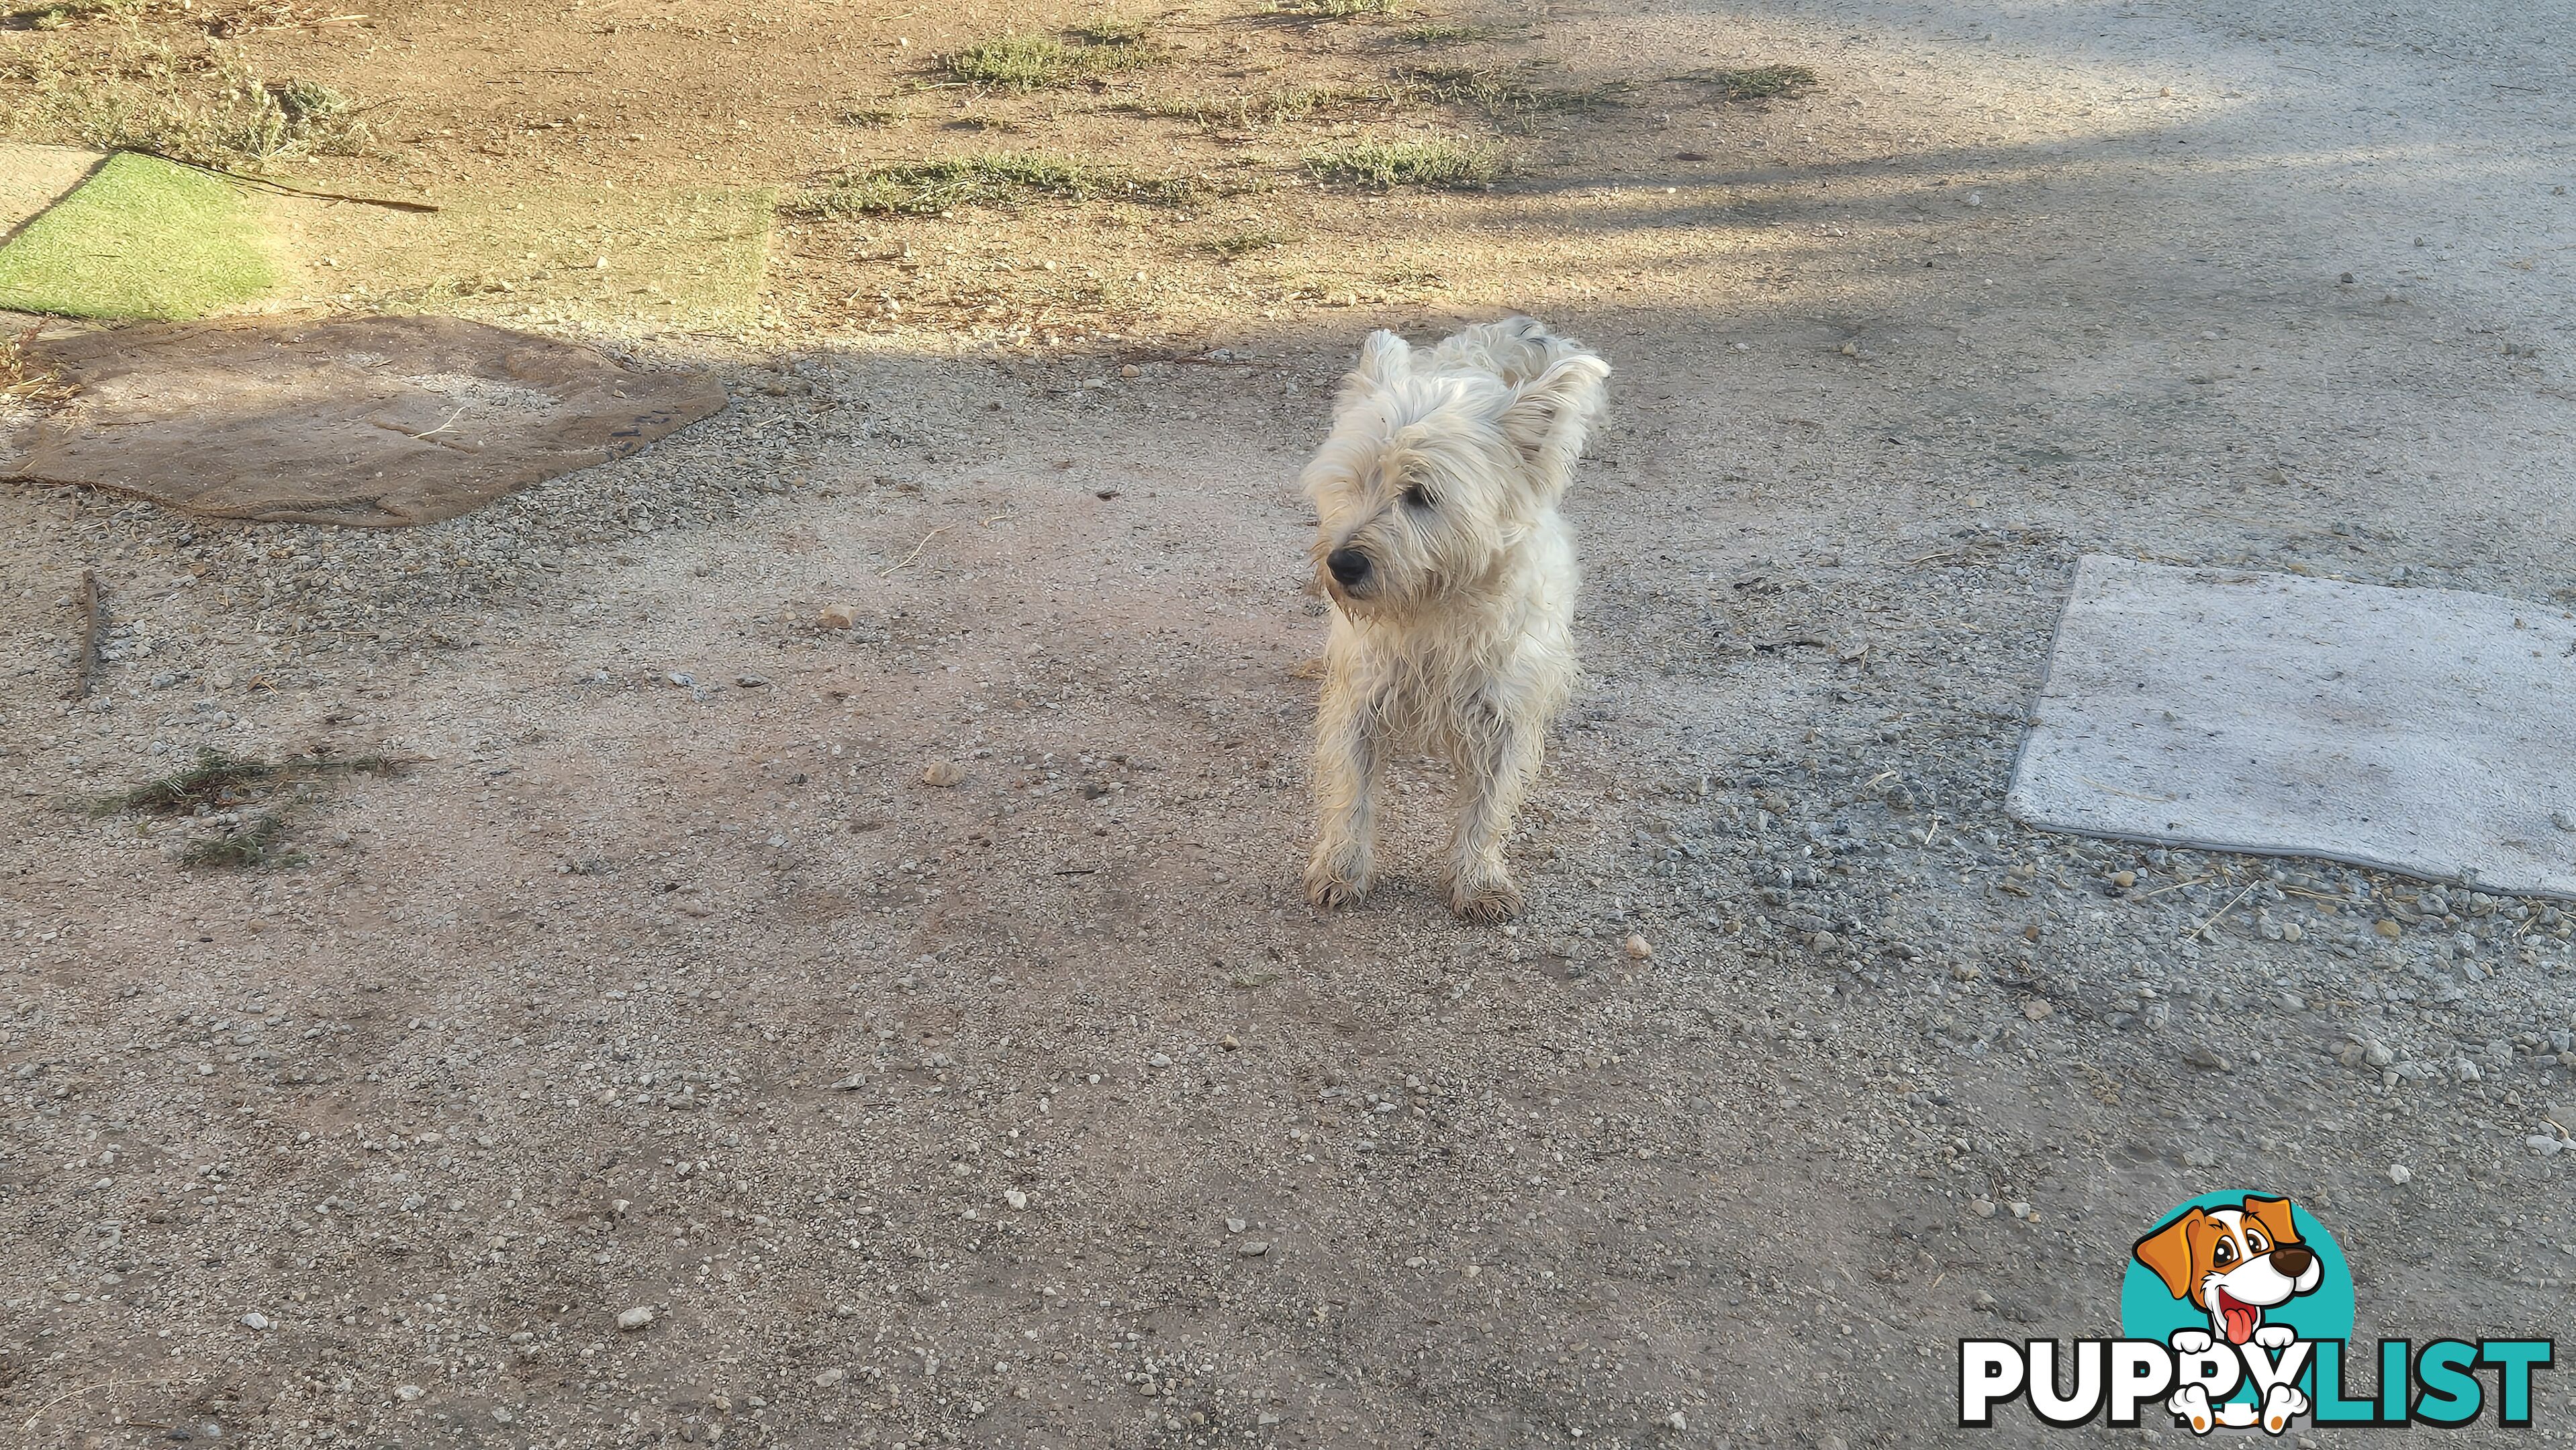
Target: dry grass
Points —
{"points": [[1434, 32], [220, 782], [22, 382], [933, 188], [1506, 97], [1761, 82], [1335, 9], [1245, 243], [1442, 165], [210, 108], [241, 847], [55, 14], [1271, 108]]}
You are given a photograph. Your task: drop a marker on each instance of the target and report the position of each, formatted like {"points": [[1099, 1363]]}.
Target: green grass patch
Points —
{"points": [[1443, 165], [929, 188], [871, 116], [141, 238], [1040, 62], [1761, 82]]}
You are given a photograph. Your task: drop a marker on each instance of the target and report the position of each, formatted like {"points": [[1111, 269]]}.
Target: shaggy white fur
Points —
{"points": [[1452, 581]]}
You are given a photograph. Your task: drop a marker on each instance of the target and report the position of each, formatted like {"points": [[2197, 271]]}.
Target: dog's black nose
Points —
{"points": [[1349, 566], [2292, 1260]]}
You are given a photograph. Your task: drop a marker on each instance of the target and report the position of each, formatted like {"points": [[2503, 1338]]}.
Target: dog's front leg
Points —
{"points": [[1349, 744], [1498, 753]]}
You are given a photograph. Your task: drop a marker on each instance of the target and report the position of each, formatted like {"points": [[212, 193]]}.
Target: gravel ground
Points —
{"points": [[831, 971]]}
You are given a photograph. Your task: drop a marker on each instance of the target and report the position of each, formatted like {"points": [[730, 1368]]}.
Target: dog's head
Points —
{"points": [[2233, 1262], [1434, 472]]}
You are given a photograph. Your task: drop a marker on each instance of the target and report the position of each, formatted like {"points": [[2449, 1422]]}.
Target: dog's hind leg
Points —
{"points": [[1497, 754], [1349, 749]]}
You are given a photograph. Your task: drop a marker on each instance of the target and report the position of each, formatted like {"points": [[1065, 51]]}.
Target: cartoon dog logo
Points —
{"points": [[2234, 1263]]}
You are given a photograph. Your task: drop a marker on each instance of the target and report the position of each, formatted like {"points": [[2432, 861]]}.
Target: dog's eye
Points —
{"points": [[2224, 1254], [1415, 497], [2255, 1243]]}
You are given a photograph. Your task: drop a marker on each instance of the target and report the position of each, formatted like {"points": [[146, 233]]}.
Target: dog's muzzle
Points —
{"points": [[1349, 567]]}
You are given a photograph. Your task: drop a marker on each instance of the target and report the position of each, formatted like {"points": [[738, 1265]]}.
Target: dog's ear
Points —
{"points": [[2172, 1255], [1551, 416], [2274, 1215], [1384, 357]]}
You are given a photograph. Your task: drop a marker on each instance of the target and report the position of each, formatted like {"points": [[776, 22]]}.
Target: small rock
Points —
{"points": [[683, 679], [1985, 1207], [2201, 1055], [1131, 371], [2399, 1173], [751, 682], [1234, 1225], [2388, 929], [1676, 1421], [1255, 1249], [255, 1320], [831, 1377], [2291, 931], [1015, 1198], [2038, 1009], [1158, 1060], [635, 1318], [2545, 1145], [408, 1393], [838, 616], [941, 773], [2124, 879], [1637, 948]]}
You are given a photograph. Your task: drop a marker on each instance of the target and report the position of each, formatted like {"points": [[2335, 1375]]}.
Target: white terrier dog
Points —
{"points": [[1452, 580]]}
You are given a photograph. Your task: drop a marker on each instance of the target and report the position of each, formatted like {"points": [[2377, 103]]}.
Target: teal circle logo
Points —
{"points": [[2235, 1264]]}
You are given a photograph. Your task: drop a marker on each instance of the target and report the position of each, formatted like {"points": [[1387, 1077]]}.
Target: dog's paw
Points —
{"points": [[2281, 1406], [1331, 890], [2191, 1406], [1496, 899], [2191, 1341], [2276, 1336]]}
